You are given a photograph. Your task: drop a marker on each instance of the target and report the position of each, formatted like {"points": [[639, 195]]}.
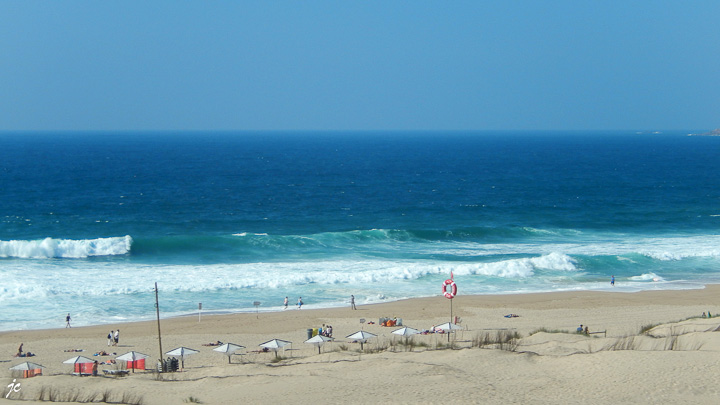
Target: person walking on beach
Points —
{"points": [[612, 281], [299, 304], [352, 302], [67, 321], [117, 337], [110, 337], [286, 303]]}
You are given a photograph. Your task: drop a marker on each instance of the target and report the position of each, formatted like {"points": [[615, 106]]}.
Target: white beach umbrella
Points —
{"points": [[448, 327], [79, 360], [132, 356], [319, 340], [182, 352], [26, 366], [228, 349], [275, 345], [405, 332], [361, 337]]}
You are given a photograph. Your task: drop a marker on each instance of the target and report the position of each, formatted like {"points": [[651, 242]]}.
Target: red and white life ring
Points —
{"points": [[453, 289]]}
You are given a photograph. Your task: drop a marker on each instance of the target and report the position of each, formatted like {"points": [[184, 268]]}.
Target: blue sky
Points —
{"points": [[360, 65]]}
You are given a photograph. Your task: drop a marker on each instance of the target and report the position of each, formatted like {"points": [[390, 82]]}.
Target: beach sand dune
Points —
{"points": [[677, 358]]}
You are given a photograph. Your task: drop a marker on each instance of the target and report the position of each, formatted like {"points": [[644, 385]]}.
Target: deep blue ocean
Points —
{"points": [[90, 221]]}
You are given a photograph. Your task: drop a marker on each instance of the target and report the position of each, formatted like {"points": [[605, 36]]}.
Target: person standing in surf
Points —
{"points": [[612, 281], [285, 303], [300, 303]]}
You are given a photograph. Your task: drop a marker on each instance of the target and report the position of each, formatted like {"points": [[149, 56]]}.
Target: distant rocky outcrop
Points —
{"points": [[714, 132]]}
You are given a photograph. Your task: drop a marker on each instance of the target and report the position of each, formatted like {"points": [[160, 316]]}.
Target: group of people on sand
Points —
{"points": [[113, 337], [326, 331], [586, 330], [20, 352]]}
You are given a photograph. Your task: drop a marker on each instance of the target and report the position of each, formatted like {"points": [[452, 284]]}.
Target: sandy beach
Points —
{"points": [[677, 360]]}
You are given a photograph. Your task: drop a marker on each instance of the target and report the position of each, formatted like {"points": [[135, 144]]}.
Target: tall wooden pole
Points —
{"points": [[451, 320], [157, 310]]}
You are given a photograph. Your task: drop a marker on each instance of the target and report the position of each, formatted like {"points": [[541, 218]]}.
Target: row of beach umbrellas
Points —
{"points": [[230, 348]]}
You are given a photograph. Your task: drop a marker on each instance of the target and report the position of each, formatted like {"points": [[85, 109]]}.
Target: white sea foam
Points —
{"points": [[33, 282], [666, 249], [647, 277], [680, 254], [65, 248], [518, 268]]}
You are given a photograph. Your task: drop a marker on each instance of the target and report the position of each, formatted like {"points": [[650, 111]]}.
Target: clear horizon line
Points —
{"points": [[649, 130]]}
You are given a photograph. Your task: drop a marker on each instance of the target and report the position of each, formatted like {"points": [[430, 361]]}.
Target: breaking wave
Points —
{"points": [[647, 277], [197, 278], [65, 248]]}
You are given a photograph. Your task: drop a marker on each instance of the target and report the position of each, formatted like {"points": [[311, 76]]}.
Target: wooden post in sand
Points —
{"points": [[157, 310], [451, 317], [451, 320], [449, 331]]}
